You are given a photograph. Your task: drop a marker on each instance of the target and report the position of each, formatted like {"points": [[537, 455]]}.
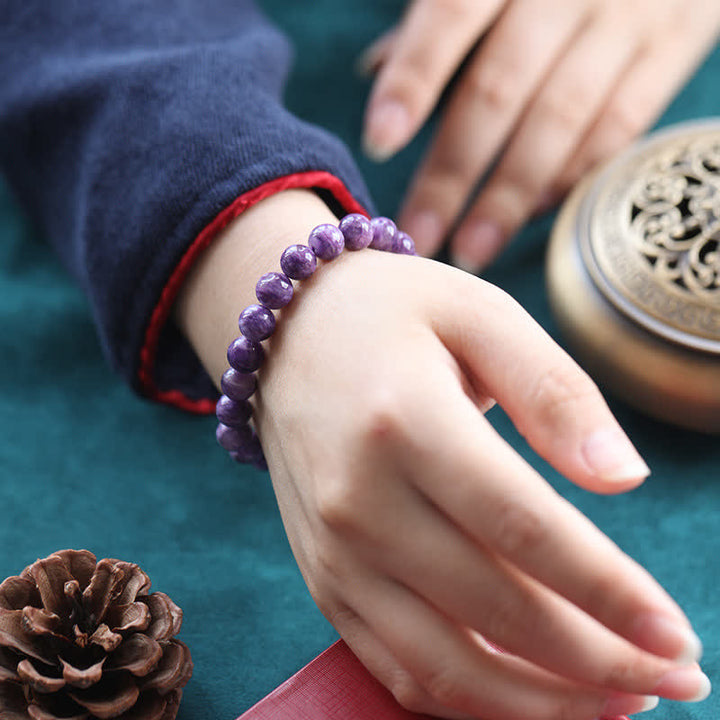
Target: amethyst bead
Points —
{"points": [[384, 231], [326, 241], [237, 385], [256, 322], [244, 355], [298, 262], [274, 290], [250, 451], [233, 439], [403, 244], [357, 231], [234, 413]]}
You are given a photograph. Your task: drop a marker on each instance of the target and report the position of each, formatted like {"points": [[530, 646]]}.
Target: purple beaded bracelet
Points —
{"points": [[274, 290]]}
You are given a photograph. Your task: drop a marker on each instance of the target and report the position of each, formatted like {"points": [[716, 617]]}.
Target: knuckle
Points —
{"points": [[323, 601], [566, 109], [408, 693], [514, 190], [383, 414], [445, 688], [341, 617], [457, 9], [330, 568], [562, 389], [493, 86], [519, 529], [413, 82], [618, 675], [625, 120], [337, 504], [347, 498], [323, 591], [502, 622], [447, 173], [603, 594]]}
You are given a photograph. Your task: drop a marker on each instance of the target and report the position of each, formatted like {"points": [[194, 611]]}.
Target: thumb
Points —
{"points": [[551, 401]]}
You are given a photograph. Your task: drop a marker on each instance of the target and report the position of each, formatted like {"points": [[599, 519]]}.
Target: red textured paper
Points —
{"points": [[334, 685]]}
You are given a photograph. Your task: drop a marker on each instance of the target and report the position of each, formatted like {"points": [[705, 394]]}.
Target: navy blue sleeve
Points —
{"points": [[126, 127]]}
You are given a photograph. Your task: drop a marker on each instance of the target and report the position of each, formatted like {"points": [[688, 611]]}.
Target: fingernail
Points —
{"points": [[612, 457], [689, 684], [386, 129], [476, 244], [425, 229], [664, 636], [630, 704]]}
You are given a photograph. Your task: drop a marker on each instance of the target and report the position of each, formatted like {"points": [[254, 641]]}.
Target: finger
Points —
{"points": [[639, 99], [504, 505], [485, 106], [422, 62], [383, 666], [477, 590], [551, 401], [461, 673], [552, 126], [564, 418]]}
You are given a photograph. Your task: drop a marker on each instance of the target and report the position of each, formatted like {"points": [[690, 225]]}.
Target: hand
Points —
{"points": [[421, 534], [552, 88]]}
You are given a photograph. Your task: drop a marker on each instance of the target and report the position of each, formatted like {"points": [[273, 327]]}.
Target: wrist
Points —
{"points": [[223, 280]]}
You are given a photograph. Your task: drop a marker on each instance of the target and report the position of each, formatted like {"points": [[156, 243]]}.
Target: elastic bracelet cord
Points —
{"points": [[274, 290]]}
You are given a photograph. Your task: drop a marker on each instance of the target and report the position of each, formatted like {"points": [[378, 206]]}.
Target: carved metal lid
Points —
{"points": [[649, 234]]}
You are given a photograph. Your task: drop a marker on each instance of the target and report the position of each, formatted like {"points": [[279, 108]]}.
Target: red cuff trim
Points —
{"points": [[148, 353]]}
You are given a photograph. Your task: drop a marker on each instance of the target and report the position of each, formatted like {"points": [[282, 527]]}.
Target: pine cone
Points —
{"points": [[81, 639]]}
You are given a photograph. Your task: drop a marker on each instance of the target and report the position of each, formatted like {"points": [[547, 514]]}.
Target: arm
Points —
{"points": [[373, 395], [421, 534], [126, 129]]}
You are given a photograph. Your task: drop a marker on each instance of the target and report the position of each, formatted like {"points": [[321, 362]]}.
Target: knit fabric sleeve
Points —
{"points": [[131, 132]]}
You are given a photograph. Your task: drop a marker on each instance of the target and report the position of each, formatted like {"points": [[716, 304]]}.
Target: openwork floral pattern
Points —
{"points": [[675, 218]]}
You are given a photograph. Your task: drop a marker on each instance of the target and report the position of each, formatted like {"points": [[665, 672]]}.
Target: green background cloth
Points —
{"points": [[84, 463]]}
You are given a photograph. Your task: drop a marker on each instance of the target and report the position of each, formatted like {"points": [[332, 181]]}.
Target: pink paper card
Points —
{"points": [[334, 686]]}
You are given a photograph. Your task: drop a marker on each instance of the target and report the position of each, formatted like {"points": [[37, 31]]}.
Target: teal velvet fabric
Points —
{"points": [[85, 463]]}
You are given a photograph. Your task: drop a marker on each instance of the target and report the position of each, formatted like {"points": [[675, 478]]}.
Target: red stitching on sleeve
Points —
{"points": [[148, 353]]}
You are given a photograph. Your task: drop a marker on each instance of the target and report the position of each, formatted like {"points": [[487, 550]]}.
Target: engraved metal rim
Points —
{"points": [[621, 303]]}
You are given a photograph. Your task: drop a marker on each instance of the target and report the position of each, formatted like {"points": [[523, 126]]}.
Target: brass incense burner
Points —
{"points": [[634, 275]]}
